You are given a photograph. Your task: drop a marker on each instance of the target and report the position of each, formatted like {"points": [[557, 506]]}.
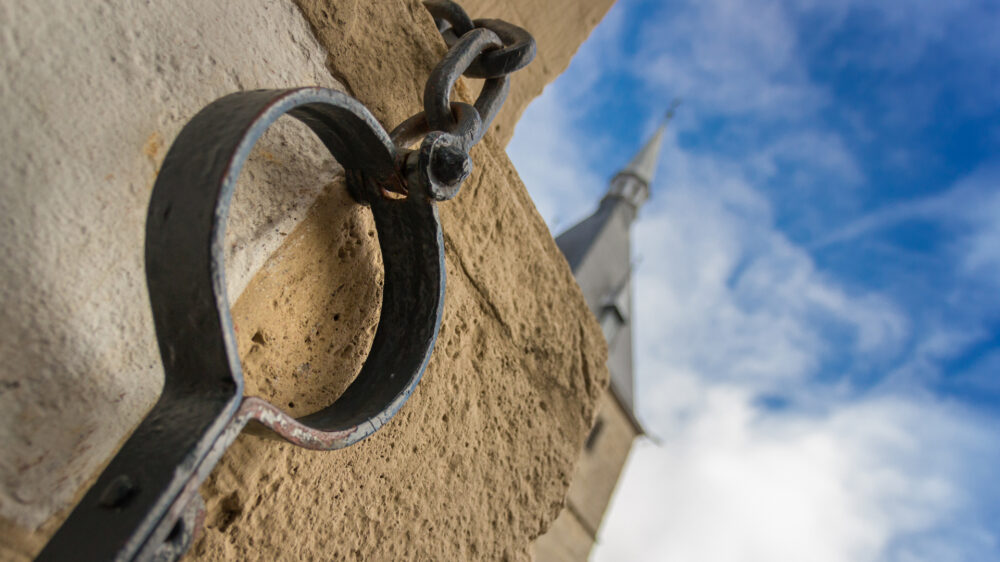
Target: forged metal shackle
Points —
{"points": [[482, 48], [451, 128], [442, 162], [143, 505]]}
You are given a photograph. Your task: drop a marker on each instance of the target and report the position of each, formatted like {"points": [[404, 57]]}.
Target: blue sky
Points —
{"points": [[818, 300]]}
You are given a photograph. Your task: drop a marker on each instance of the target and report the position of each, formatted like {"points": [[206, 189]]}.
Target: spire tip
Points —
{"points": [[670, 110]]}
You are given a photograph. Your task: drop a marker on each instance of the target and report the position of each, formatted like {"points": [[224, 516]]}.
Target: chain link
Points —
{"points": [[518, 50], [437, 91], [483, 48]]}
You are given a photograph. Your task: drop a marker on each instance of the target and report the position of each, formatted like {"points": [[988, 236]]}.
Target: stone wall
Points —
{"points": [[597, 474], [477, 462], [594, 480]]}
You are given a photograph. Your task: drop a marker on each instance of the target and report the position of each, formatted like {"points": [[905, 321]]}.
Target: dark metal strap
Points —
{"points": [[137, 501]]}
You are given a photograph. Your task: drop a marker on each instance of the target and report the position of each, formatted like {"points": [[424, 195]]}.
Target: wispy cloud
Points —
{"points": [[734, 57], [981, 257], [822, 152], [727, 294], [969, 208], [857, 484], [547, 153]]}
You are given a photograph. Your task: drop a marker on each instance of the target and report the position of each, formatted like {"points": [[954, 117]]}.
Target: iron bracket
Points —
{"points": [[145, 505]]}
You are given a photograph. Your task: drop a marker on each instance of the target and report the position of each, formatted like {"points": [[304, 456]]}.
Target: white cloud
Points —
{"points": [[735, 57], [722, 292], [982, 248], [738, 484], [823, 152], [551, 154], [729, 311], [906, 31], [548, 159]]}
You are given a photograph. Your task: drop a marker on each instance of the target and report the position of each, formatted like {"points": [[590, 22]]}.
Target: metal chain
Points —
{"points": [[483, 48]]}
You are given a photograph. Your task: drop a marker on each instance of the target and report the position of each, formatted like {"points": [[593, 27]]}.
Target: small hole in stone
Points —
{"points": [[336, 317], [258, 338], [291, 404], [230, 510]]}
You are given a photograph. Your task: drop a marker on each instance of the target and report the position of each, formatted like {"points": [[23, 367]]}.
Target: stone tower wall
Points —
{"points": [[574, 532]]}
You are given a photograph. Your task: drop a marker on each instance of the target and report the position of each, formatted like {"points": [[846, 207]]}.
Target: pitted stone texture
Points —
{"points": [[476, 464]]}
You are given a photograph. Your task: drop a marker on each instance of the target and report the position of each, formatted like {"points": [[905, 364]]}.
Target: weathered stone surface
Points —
{"points": [[91, 97], [476, 464]]}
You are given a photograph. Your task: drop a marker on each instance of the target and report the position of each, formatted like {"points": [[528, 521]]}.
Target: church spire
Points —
{"points": [[632, 182], [598, 250]]}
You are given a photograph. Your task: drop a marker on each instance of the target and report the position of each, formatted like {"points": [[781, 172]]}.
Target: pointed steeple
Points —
{"points": [[632, 182], [643, 164], [598, 250]]}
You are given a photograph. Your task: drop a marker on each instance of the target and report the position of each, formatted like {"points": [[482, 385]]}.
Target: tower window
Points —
{"points": [[594, 433]]}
